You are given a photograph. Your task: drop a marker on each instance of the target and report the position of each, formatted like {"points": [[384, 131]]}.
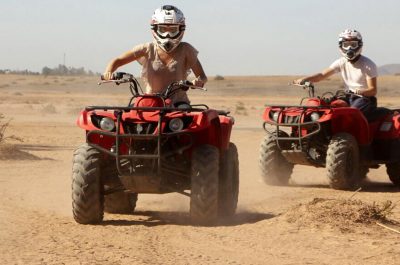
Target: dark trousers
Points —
{"points": [[366, 104]]}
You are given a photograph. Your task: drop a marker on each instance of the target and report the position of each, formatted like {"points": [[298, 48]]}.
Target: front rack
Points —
{"points": [[300, 125], [118, 136]]}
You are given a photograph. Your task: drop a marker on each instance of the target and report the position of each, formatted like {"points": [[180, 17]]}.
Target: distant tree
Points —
{"points": [[219, 77], [46, 71]]}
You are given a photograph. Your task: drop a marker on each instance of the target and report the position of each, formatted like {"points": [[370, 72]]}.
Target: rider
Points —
{"points": [[359, 73], [166, 59]]}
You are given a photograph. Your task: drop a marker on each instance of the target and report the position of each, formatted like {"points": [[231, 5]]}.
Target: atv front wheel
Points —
{"points": [[87, 197], [393, 170], [342, 162], [275, 169], [204, 185], [120, 202], [228, 182]]}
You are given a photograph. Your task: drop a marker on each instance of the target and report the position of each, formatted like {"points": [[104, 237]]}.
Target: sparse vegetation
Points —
{"points": [[340, 213], [3, 127], [219, 77], [49, 109], [64, 70], [240, 108]]}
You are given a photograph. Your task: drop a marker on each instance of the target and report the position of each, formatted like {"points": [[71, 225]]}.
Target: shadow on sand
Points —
{"points": [[366, 186], [22, 151], [153, 218]]}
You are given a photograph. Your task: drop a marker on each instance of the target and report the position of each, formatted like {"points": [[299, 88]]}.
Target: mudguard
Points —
{"points": [[352, 121]]}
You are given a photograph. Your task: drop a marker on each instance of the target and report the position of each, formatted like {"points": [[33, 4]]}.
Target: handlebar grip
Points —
{"points": [[118, 75], [188, 83]]}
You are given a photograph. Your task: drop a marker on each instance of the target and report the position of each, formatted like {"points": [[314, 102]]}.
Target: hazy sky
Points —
{"points": [[259, 37]]}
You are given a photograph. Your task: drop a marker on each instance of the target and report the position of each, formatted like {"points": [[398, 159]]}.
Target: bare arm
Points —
{"points": [[316, 77], [198, 71], [371, 90], [123, 59]]}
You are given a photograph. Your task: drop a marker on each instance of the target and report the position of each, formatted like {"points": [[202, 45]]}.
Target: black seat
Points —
{"points": [[378, 113]]}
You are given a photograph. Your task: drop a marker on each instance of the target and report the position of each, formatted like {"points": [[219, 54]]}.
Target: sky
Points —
{"points": [[253, 37]]}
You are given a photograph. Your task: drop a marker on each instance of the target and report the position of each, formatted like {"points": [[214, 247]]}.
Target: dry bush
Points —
{"points": [[344, 214], [240, 108], [3, 127], [49, 109]]}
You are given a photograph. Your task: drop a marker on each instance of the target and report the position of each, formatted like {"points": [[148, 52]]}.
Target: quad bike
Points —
{"points": [[152, 146], [325, 132]]}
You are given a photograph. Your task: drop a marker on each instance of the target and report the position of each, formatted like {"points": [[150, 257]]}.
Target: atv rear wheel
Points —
{"points": [[275, 169], [204, 185], [393, 170], [120, 202], [87, 197], [342, 162], [228, 182]]}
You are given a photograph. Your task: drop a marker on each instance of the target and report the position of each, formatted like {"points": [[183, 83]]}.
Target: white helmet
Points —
{"points": [[168, 26], [350, 44]]}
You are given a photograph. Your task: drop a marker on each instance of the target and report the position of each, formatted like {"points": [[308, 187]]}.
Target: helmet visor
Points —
{"points": [[168, 31], [350, 44]]}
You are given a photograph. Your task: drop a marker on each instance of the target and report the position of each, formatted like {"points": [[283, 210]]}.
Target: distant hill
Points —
{"points": [[389, 69]]}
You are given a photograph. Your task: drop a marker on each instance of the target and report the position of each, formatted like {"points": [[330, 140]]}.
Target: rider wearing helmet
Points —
{"points": [[358, 72], [166, 59]]}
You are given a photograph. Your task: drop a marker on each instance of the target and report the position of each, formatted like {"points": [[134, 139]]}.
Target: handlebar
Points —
{"points": [[122, 77], [118, 78], [188, 84], [305, 85]]}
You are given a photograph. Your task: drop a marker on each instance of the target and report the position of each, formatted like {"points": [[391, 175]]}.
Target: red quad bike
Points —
{"points": [[325, 132], [151, 146]]}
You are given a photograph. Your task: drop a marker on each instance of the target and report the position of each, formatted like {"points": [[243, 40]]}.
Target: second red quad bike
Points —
{"points": [[325, 132], [152, 146]]}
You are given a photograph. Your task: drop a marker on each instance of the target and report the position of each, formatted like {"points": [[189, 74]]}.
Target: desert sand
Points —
{"points": [[273, 225]]}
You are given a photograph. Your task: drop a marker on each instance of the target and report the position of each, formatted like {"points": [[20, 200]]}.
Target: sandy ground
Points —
{"points": [[270, 227]]}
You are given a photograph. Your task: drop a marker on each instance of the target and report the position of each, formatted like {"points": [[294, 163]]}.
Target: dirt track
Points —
{"points": [[36, 225]]}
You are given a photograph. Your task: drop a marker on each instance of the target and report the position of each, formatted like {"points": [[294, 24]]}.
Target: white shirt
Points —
{"points": [[355, 75]]}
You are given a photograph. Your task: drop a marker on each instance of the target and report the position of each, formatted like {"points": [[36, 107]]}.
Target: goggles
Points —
{"points": [[350, 44], [168, 31]]}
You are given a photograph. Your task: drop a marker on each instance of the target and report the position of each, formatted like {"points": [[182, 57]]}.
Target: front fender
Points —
{"points": [[352, 121]]}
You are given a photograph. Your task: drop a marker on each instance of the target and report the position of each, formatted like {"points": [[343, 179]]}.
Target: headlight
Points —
{"points": [[176, 124], [275, 116], [315, 116], [107, 124]]}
